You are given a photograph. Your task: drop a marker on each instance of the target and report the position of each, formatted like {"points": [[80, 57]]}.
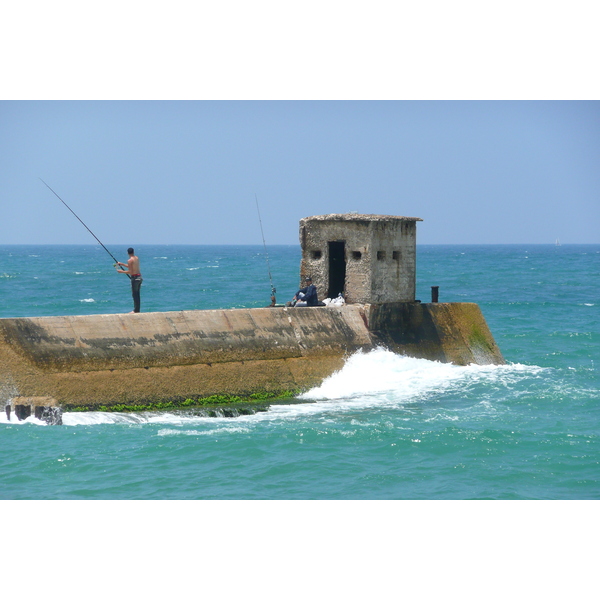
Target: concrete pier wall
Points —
{"points": [[454, 332], [149, 357]]}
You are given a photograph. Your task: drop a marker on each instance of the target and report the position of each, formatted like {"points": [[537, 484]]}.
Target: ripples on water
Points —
{"points": [[385, 427]]}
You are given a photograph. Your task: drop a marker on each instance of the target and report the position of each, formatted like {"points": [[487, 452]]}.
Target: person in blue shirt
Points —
{"points": [[306, 296]]}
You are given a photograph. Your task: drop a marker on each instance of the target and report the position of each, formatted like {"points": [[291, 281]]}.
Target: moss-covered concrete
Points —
{"points": [[214, 401], [448, 332]]}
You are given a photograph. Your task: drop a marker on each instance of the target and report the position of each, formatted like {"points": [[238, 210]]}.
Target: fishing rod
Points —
{"points": [[116, 261], [273, 290]]}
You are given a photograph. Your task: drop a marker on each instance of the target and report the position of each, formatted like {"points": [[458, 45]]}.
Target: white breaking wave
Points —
{"points": [[87, 300], [15, 421], [380, 372], [103, 418], [382, 379]]}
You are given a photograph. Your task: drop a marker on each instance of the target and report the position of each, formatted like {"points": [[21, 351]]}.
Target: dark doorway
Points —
{"points": [[337, 269]]}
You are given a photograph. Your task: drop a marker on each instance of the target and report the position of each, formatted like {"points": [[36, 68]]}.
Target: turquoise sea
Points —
{"points": [[384, 427]]}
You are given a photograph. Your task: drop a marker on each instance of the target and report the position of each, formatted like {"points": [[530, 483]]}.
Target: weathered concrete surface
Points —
{"points": [[145, 357], [149, 357], [450, 332]]}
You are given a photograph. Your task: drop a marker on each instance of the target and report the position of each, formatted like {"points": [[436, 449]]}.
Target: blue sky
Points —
{"points": [[145, 172]]}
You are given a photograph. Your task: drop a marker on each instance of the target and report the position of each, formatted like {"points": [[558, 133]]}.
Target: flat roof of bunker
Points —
{"points": [[357, 217]]}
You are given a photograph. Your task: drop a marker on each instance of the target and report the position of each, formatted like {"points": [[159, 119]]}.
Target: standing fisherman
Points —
{"points": [[133, 264], [133, 270]]}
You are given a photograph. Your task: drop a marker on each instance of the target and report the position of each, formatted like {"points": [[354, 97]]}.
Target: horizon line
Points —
{"points": [[271, 245]]}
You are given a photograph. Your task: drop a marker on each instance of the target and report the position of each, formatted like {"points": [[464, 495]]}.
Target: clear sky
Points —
{"points": [[168, 172]]}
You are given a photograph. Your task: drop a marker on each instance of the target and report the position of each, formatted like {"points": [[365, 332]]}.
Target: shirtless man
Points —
{"points": [[133, 270]]}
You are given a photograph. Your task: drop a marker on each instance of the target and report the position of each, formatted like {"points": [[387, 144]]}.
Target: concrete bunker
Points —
{"points": [[365, 258]]}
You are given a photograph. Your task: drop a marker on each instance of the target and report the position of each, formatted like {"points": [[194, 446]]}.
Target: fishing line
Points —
{"points": [[116, 261], [273, 290]]}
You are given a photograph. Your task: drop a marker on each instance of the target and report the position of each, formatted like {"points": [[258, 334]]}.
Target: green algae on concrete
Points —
{"points": [[214, 400]]}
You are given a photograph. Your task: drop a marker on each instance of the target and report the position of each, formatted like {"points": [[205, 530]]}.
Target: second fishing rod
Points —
{"points": [[273, 290]]}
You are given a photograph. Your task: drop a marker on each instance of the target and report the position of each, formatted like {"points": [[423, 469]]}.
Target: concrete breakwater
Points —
{"points": [[103, 360], [48, 364]]}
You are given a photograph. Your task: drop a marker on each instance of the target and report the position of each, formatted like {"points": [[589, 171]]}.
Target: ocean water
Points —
{"points": [[383, 427]]}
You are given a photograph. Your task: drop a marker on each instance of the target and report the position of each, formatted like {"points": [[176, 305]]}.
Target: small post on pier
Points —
{"points": [[22, 411], [435, 293], [44, 408]]}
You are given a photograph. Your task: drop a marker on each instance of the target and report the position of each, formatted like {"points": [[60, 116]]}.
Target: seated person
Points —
{"points": [[306, 296]]}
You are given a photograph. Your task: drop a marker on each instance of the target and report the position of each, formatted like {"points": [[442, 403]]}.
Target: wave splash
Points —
{"points": [[381, 372]]}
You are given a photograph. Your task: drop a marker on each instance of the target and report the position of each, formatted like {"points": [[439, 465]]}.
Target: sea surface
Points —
{"points": [[383, 427]]}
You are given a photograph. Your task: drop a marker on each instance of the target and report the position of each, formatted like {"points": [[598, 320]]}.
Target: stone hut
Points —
{"points": [[368, 259]]}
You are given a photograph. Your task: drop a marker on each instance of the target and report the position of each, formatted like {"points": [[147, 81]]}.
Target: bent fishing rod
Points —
{"points": [[116, 261], [273, 290]]}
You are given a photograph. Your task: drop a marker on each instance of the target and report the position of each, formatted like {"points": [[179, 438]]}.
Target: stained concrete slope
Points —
{"points": [[154, 356], [454, 332]]}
